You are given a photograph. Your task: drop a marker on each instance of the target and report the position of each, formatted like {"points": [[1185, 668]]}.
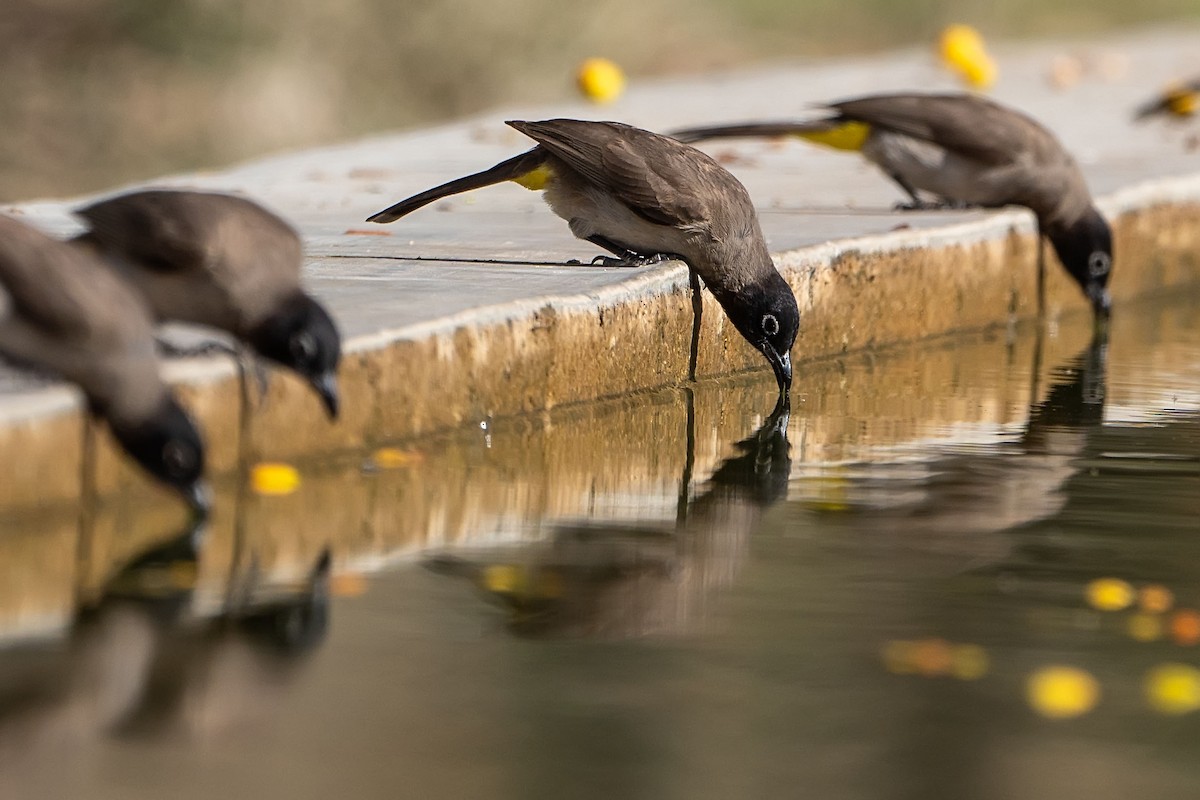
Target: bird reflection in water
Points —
{"points": [[938, 513], [139, 662], [611, 580]]}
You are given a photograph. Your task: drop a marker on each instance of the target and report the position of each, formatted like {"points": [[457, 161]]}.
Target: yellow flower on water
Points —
{"points": [[1109, 594], [274, 479], [1156, 599], [968, 662], [1173, 688], [600, 80], [1145, 627], [1060, 692], [962, 50]]}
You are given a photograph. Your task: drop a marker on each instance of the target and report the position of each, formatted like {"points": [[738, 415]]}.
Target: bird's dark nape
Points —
{"points": [[1086, 251], [303, 337], [168, 446]]}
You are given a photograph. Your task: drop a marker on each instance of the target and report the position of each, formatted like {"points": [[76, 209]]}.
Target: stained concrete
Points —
{"points": [[440, 335]]}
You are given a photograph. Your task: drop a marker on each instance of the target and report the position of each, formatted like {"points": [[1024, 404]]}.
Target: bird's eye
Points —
{"points": [[178, 458], [304, 347], [1099, 263], [770, 324]]}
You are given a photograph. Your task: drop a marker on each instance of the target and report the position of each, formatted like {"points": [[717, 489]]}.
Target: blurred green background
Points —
{"points": [[97, 92]]}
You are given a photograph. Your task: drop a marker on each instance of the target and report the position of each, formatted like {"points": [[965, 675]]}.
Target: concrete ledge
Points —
{"points": [[557, 335]]}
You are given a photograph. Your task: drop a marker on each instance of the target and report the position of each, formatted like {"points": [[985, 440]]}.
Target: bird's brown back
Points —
{"points": [[967, 124], [661, 179], [202, 241]]}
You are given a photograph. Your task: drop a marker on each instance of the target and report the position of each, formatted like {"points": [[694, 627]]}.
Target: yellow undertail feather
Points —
{"points": [[1183, 102], [848, 136], [535, 180]]}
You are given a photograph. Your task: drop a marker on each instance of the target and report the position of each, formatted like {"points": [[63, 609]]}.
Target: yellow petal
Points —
{"points": [[600, 80]]}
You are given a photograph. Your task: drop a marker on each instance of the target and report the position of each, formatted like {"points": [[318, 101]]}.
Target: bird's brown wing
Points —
{"points": [[660, 179], [965, 124], [54, 286], [173, 231]]}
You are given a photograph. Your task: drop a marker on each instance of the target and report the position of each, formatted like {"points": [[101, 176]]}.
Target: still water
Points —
{"points": [[955, 570]]}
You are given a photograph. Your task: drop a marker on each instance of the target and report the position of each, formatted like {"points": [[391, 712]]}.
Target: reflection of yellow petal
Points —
{"points": [[1109, 594], [600, 80], [501, 578], [1060, 692], [274, 479], [962, 50], [395, 458], [1145, 627], [1173, 688], [968, 662]]}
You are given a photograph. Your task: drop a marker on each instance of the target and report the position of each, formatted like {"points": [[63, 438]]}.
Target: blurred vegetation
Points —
{"points": [[102, 91]]}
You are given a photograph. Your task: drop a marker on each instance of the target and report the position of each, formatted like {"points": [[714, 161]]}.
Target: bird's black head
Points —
{"points": [[303, 337], [767, 315], [1086, 252], [168, 446]]}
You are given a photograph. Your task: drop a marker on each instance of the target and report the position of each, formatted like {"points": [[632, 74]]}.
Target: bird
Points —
{"points": [[1179, 101], [965, 150], [62, 313], [646, 198], [225, 262]]}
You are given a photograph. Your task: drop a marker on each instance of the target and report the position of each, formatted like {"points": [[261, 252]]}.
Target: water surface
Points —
{"points": [[669, 595]]}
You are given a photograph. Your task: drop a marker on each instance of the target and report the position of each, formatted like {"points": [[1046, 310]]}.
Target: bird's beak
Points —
{"points": [[1100, 299], [781, 364], [326, 386], [199, 497]]}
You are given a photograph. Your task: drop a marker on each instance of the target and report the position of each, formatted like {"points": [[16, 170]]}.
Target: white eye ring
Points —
{"points": [[770, 325], [304, 346], [1099, 263], [177, 457]]}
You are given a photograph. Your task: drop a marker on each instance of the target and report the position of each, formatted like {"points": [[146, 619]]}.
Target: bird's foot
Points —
{"points": [[213, 347], [940, 204], [247, 363], [632, 259]]}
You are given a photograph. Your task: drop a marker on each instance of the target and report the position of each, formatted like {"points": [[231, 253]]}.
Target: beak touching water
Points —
{"points": [[326, 386], [781, 364], [199, 497]]}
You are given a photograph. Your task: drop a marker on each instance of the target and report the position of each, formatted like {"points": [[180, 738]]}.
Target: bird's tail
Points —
{"points": [[1181, 100], [841, 134], [514, 168]]}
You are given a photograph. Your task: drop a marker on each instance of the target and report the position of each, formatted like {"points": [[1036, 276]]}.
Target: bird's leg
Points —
{"points": [[625, 256], [916, 202], [247, 363], [250, 364]]}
